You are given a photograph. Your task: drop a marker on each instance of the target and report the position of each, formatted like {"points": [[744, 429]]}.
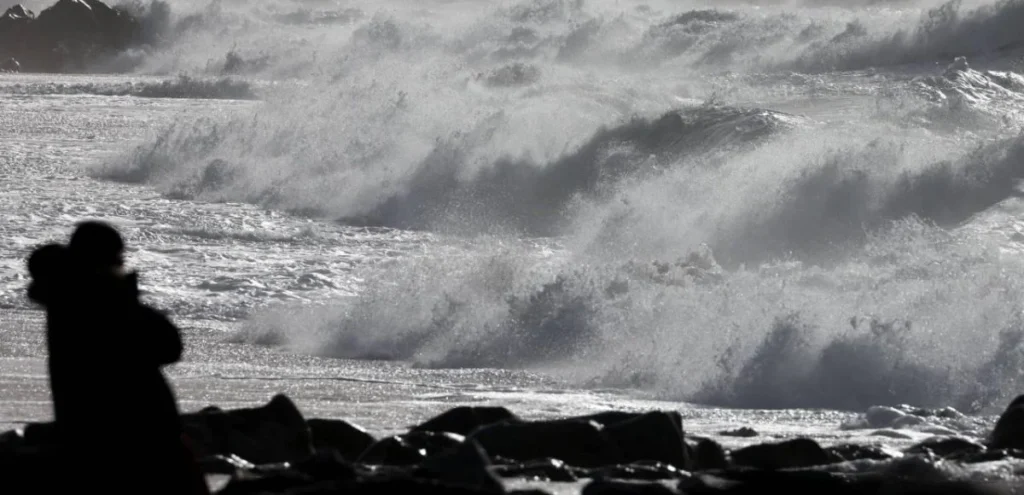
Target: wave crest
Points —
{"points": [[881, 328]]}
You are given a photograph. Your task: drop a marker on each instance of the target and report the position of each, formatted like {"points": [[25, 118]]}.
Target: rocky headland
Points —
{"points": [[73, 35]]}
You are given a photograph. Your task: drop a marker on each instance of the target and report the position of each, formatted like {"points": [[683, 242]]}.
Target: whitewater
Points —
{"points": [[774, 215]]}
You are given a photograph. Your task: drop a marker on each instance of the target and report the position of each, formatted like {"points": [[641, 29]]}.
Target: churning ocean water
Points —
{"points": [[772, 213]]}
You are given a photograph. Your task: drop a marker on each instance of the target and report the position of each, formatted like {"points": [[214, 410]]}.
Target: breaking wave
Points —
{"points": [[294, 39], [921, 316], [705, 232], [517, 193]]}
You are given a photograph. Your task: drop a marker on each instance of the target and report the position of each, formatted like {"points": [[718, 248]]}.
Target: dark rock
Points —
{"points": [[759, 482], [466, 464], [392, 451], [578, 443], [16, 14], [1009, 429], [946, 447], [991, 455], [800, 452], [638, 472], [945, 412], [275, 432], [67, 36], [604, 418], [326, 465], [10, 65], [853, 452], [348, 439], [539, 470], [615, 487], [464, 419], [14, 20], [654, 436], [224, 464], [709, 454], [948, 413], [744, 432], [14, 26], [410, 448], [321, 467]]}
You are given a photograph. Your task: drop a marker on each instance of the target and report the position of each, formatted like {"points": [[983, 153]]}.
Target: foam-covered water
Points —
{"points": [[794, 205]]}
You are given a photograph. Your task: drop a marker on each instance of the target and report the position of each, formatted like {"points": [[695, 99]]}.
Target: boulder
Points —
{"points": [[1008, 432], [322, 467], [707, 455], [539, 470], [14, 25], [605, 418], [409, 448], [947, 447], [800, 452], [464, 419], [275, 432], [744, 432], [224, 464], [10, 65], [326, 465], [90, 21], [464, 465], [578, 443], [638, 472], [68, 35], [853, 452], [346, 438], [990, 455], [654, 436], [743, 482], [602, 439], [13, 20]]}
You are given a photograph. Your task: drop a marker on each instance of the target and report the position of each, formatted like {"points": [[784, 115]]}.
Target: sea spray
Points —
{"points": [[715, 247]]}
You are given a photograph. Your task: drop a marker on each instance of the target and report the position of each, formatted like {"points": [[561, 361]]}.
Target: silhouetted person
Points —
{"points": [[116, 415]]}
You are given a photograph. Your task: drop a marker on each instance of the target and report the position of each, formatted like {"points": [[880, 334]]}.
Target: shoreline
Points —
{"points": [[274, 448]]}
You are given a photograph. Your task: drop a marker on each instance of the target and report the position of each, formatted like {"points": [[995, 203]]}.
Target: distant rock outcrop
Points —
{"points": [[66, 37]]}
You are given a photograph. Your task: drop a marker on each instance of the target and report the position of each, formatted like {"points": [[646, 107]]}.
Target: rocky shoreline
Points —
{"points": [[274, 449]]}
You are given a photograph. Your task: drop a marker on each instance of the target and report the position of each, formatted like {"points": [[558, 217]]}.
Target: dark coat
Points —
{"points": [[112, 404]]}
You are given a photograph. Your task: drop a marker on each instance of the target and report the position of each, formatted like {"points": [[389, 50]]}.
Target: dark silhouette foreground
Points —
{"points": [[113, 408]]}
